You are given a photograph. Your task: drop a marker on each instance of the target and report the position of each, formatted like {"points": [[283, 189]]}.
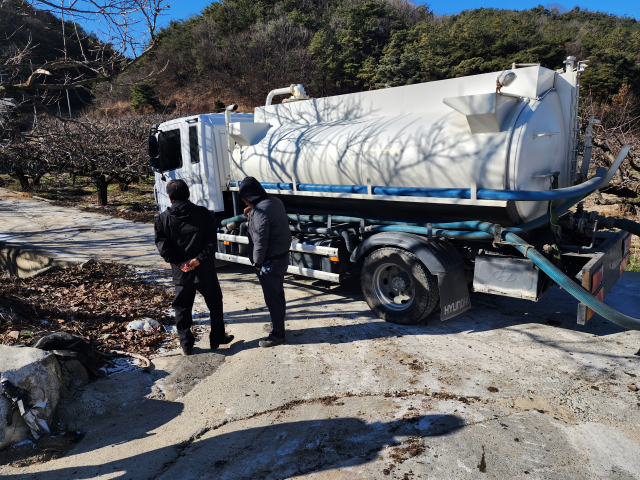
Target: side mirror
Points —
{"points": [[152, 146]]}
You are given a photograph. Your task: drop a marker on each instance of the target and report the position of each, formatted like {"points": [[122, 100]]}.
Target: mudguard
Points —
{"points": [[440, 258]]}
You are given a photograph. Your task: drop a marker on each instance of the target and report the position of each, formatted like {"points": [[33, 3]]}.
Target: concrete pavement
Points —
{"points": [[511, 389]]}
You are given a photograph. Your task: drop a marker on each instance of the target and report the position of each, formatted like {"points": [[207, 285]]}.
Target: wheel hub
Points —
{"points": [[398, 284], [393, 286]]}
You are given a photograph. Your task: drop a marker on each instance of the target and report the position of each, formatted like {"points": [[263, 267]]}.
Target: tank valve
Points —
{"points": [[298, 93]]}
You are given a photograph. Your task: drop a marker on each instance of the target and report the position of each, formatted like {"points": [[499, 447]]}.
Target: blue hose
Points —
{"points": [[446, 226], [464, 193], [467, 225], [569, 285], [239, 218], [465, 230]]}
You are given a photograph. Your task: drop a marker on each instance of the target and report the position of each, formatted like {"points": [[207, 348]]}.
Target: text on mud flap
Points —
{"points": [[455, 306]]}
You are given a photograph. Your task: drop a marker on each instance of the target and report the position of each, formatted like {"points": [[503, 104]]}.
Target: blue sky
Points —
{"points": [[183, 9]]}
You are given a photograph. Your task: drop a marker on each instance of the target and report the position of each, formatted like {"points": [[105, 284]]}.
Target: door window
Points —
{"points": [[170, 150], [193, 144]]}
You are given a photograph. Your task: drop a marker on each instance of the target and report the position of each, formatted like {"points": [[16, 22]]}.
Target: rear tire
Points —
{"points": [[398, 287]]}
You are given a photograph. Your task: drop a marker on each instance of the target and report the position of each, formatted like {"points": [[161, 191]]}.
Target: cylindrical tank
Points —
{"points": [[458, 133]]}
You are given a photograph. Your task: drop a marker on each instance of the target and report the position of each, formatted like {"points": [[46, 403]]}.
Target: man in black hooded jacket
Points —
{"points": [[269, 244], [185, 235]]}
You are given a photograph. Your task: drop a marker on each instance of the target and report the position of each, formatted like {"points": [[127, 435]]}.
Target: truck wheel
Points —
{"points": [[398, 287]]}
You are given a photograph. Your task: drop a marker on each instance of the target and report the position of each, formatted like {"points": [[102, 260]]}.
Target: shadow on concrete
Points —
{"points": [[109, 412], [277, 451], [489, 312], [557, 308]]}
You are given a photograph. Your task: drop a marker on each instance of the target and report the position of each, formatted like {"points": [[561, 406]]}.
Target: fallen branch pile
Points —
{"points": [[95, 302]]}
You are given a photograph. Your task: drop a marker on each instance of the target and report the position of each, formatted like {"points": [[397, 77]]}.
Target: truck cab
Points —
{"points": [[193, 149]]}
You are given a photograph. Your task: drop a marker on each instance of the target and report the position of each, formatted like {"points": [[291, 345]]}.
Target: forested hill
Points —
{"points": [[238, 50]]}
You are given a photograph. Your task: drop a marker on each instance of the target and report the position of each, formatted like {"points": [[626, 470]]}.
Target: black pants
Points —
{"points": [[273, 289], [183, 305]]}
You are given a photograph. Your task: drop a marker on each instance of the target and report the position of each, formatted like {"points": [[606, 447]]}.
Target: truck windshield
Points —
{"points": [[170, 149]]}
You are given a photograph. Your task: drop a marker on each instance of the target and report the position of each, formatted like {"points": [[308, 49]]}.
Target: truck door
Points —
{"points": [[192, 167], [181, 153]]}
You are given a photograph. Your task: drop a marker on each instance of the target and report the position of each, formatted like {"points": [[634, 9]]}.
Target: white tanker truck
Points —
{"points": [[420, 190]]}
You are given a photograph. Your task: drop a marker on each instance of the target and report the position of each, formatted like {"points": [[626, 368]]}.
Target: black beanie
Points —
{"points": [[252, 191]]}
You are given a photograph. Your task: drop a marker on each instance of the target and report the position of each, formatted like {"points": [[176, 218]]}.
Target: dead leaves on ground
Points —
{"points": [[95, 302]]}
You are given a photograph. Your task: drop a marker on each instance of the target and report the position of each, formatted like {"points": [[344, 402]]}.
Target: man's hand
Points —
{"points": [[190, 265], [247, 210]]}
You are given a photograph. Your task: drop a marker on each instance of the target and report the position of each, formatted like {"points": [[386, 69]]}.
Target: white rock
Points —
{"points": [[37, 372]]}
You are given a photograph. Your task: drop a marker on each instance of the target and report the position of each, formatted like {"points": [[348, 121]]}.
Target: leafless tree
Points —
{"points": [[20, 154], [104, 150], [619, 126], [125, 32]]}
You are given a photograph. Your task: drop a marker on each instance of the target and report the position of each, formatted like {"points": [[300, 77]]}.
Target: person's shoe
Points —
{"points": [[225, 341], [186, 351], [267, 327], [271, 342]]}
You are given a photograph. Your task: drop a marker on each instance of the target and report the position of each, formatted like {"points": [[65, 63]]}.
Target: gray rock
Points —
{"points": [[37, 372], [74, 375]]}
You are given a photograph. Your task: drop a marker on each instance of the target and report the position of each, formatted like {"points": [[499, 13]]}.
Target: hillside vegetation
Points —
{"points": [[238, 50]]}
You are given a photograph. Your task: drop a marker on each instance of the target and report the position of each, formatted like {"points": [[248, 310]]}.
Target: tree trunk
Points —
{"points": [[23, 179], [101, 184]]}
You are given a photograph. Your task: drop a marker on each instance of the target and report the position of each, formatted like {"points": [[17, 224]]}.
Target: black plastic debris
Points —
{"points": [[69, 347]]}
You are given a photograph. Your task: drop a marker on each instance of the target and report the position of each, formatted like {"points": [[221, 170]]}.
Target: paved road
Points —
{"points": [[73, 233], [511, 389]]}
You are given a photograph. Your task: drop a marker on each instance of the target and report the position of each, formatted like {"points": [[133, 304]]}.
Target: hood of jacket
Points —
{"points": [[252, 191], [181, 209]]}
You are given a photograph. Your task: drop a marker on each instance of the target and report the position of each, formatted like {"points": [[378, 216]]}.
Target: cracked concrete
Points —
{"points": [[511, 389]]}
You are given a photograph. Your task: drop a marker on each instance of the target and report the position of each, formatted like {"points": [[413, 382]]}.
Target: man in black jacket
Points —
{"points": [[269, 244], [185, 235]]}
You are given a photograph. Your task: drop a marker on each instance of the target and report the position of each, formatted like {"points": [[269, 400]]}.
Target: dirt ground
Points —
{"points": [[509, 389]]}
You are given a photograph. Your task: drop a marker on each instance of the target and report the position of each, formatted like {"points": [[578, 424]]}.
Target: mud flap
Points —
{"points": [[454, 294]]}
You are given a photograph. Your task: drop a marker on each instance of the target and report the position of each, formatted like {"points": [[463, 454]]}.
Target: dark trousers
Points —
{"points": [[273, 289], [183, 305]]}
